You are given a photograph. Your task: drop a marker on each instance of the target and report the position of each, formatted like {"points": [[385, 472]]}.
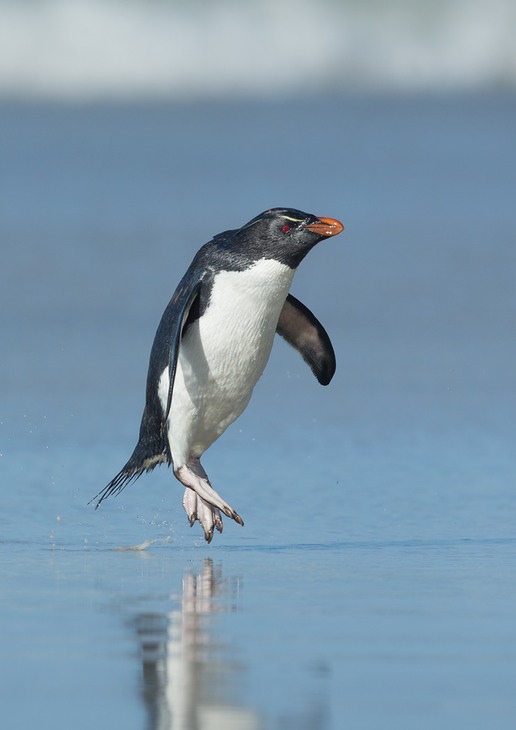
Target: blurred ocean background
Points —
{"points": [[374, 582], [83, 49]]}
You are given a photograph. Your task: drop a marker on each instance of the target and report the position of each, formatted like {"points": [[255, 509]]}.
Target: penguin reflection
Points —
{"points": [[187, 676]]}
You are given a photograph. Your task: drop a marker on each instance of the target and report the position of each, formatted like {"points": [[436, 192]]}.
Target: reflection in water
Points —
{"points": [[188, 679]]}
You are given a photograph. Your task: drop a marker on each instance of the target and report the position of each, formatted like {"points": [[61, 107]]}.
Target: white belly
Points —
{"points": [[223, 354]]}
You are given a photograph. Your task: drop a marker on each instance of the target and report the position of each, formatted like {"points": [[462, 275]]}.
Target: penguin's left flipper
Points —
{"points": [[170, 331], [152, 446], [301, 329]]}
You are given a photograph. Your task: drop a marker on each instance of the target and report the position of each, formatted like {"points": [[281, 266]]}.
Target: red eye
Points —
{"points": [[285, 228]]}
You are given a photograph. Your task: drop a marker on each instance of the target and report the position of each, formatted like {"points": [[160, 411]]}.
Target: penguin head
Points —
{"points": [[285, 234]]}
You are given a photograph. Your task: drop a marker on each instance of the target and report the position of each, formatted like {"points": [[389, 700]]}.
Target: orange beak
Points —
{"points": [[325, 227]]}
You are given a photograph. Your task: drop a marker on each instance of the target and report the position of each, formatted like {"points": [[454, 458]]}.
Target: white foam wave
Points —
{"points": [[160, 48]]}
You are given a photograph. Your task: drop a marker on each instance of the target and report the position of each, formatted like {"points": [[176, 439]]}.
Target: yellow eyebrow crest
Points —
{"points": [[288, 218]]}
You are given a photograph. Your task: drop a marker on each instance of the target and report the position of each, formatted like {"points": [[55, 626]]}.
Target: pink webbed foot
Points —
{"points": [[197, 508], [201, 502]]}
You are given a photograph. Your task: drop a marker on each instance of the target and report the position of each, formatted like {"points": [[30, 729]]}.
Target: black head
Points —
{"points": [[283, 234]]}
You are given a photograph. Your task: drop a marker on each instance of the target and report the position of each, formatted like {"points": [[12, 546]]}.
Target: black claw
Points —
{"points": [[234, 516]]}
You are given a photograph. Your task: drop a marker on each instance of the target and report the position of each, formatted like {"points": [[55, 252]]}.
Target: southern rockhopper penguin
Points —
{"points": [[213, 343]]}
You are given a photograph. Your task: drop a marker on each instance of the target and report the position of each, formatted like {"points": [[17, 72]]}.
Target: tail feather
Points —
{"points": [[152, 449], [115, 486], [130, 473]]}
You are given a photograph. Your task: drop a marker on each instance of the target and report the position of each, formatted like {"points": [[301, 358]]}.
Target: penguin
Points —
{"points": [[211, 347]]}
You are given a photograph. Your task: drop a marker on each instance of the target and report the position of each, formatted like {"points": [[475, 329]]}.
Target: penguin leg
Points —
{"points": [[201, 502]]}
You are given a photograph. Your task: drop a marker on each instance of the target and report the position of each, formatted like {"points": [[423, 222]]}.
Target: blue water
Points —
{"points": [[373, 584]]}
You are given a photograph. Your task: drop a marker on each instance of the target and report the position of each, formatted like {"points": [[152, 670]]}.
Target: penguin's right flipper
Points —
{"points": [[301, 329]]}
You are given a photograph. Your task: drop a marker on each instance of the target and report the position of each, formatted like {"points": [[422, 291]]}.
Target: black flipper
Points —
{"points": [[301, 329], [152, 447]]}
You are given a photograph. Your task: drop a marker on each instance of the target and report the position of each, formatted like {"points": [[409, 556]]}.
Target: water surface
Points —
{"points": [[374, 581]]}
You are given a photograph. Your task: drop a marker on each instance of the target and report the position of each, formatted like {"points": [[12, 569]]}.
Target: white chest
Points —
{"points": [[237, 330], [224, 352], [231, 343]]}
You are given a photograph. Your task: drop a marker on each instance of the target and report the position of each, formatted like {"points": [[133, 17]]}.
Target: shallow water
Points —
{"points": [[374, 581]]}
